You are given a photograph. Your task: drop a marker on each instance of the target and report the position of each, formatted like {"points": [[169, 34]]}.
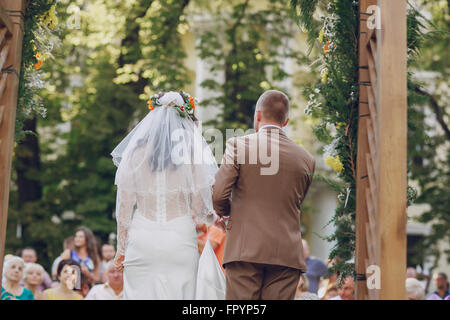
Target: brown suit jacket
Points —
{"points": [[264, 223]]}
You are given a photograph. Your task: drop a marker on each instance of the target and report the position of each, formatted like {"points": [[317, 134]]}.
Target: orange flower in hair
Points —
{"points": [[191, 101], [150, 104]]}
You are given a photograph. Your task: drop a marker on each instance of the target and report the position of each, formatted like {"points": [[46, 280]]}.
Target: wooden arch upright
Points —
{"points": [[12, 13], [381, 183]]}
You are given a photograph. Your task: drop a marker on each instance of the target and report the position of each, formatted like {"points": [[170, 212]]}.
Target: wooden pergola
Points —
{"points": [[11, 36], [382, 128], [381, 182]]}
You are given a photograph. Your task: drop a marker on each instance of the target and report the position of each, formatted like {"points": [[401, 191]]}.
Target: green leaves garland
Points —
{"points": [[334, 102], [38, 42]]}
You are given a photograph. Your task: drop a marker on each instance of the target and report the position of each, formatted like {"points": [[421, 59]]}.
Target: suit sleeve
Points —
{"points": [[310, 175], [225, 179]]}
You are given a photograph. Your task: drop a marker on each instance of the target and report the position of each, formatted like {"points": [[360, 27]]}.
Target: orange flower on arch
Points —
{"points": [[326, 48], [38, 65]]}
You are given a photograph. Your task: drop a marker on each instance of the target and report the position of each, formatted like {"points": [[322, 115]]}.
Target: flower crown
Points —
{"points": [[185, 110]]}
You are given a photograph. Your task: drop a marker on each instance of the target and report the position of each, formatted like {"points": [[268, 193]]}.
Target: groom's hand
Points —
{"points": [[118, 259]]}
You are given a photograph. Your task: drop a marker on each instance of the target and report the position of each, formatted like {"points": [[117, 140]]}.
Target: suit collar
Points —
{"points": [[272, 128]]}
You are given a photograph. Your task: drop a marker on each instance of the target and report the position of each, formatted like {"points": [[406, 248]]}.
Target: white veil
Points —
{"points": [[167, 154]]}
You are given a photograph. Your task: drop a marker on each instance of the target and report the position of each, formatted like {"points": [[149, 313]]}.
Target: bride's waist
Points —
{"points": [[156, 220]]}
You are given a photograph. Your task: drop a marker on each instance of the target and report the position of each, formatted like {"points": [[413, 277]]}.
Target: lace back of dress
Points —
{"points": [[161, 209]]}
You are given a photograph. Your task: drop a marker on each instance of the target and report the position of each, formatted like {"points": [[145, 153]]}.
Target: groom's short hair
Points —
{"points": [[274, 106]]}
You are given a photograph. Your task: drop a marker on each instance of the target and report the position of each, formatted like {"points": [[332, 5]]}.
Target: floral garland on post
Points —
{"points": [[333, 101], [39, 41]]}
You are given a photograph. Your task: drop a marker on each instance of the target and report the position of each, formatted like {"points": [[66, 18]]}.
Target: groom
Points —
{"points": [[263, 255]]}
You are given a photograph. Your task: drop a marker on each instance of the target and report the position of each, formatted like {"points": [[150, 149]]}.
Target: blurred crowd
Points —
{"points": [[82, 272], [318, 284], [79, 272]]}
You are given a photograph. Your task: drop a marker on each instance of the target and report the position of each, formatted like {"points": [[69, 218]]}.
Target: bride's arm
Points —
{"points": [[200, 210], [124, 210]]}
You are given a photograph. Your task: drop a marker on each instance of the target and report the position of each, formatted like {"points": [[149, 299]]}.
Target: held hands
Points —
{"points": [[118, 259], [220, 222]]}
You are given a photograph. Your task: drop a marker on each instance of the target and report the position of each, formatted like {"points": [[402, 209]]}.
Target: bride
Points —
{"points": [[164, 183]]}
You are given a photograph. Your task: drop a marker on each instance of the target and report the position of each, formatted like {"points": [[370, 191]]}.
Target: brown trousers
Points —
{"points": [[255, 281]]}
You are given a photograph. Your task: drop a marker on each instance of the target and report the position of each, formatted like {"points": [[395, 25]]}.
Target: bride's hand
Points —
{"points": [[118, 259]]}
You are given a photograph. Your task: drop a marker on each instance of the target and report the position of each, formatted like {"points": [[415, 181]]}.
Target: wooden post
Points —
{"points": [[392, 148], [15, 10], [362, 181]]}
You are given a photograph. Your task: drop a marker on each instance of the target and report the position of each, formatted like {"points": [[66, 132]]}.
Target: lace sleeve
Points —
{"points": [[202, 211], [201, 195], [124, 210]]}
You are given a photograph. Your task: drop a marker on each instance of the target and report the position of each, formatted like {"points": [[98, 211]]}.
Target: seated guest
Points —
{"points": [[414, 289], [29, 255], [112, 289], [85, 253], [411, 272], [315, 269], [33, 277], [85, 286], [302, 290], [329, 281], [68, 244], [345, 289], [69, 275], [11, 289], [441, 284], [108, 253], [330, 292]]}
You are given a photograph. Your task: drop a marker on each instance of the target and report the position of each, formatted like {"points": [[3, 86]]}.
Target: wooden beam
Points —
{"points": [[371, 63], [371, 33], [3, 54], [372, 143], [372, 109], [361, 246], [9, 100], [371, 56], [2, 110], [372, 181], [392, 148], [3, 32], [4, 77], [5, 20]]}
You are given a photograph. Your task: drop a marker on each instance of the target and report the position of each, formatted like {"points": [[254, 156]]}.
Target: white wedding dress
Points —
{"points": [[158, 205]]}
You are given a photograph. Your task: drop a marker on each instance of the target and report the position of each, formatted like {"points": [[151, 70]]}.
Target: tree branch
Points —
{"points": [[438, 110]]}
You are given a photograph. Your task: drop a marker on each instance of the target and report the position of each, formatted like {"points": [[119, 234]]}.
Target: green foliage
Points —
{"points": [[37, 37], [245, 45], [333, 101], [428, 142], [96, 87]]}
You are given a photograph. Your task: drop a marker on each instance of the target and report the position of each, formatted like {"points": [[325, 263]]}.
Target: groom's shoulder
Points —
{"points": [[240, 140], [302, 152]]}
